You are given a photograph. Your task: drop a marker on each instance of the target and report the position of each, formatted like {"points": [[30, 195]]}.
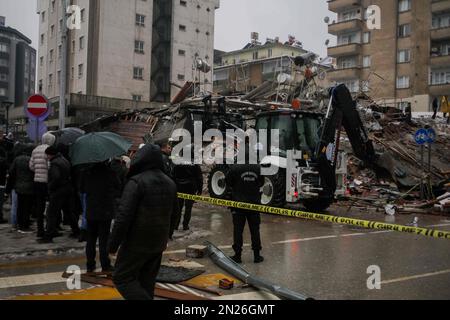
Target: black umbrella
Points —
{"points": [[67, 136]]}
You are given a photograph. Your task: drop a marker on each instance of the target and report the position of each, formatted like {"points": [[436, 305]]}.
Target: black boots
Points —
{"points": [[237, 258], [258, 257]]}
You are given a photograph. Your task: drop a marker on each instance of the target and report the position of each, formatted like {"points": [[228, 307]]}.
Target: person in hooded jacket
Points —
{"points": [[143, 224], [21, 180], [99, 183], [39, 165]]}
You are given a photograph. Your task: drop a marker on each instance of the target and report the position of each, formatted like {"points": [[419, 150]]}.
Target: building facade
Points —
{"points": [[246, 69], [406, 60], [17, 66], [141, 50]]}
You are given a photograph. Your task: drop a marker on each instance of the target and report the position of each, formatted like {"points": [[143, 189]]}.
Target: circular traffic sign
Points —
{"points": [[431, 136], [421, 136], [37, 105]]}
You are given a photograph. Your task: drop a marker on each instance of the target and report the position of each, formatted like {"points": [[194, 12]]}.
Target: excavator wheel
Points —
{"points": [[317, 205], [274, 190], [217, 185]]}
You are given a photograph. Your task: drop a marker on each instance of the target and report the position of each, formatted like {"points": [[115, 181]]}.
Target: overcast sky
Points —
{"points": [[236, 19]]}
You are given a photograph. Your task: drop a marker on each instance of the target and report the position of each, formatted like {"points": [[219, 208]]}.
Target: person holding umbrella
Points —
{"points": [[60, 194]]}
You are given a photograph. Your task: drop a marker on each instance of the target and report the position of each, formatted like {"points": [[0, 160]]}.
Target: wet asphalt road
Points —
{"points": [[321, 260]]}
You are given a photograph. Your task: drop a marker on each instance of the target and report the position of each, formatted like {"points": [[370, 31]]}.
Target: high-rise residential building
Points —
{"points": [[405, 61], [141, 50], [17, 66]]}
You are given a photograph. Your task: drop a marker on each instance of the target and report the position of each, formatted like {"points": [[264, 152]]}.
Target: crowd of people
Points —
{"points": [[130, 207]]}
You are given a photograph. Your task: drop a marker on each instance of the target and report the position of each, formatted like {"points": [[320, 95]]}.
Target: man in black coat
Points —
{"points": [[99, 183], [246, 181], [166, 150], [3, 173], [189, 180], [61, 195], [143, 224]]}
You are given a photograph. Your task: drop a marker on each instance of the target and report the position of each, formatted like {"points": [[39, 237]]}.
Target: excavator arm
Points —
{"points": [[341, 112]]}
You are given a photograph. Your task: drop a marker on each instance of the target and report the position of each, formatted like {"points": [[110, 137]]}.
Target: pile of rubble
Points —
{"points": [[422, 188]]}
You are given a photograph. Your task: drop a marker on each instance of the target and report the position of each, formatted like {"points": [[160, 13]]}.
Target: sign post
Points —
{"points": [[422, 137], [37, 110]]}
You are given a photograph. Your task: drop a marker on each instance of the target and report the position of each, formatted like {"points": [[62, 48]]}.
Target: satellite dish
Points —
{"points": [[326, 20], [327, 42]]}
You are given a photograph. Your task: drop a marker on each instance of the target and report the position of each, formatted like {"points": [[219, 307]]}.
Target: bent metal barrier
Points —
{"points": [[319, 217]]}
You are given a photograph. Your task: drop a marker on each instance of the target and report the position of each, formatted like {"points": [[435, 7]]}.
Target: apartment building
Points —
{"points": [[245, 69], [406, 60], [17, 66], [141, 50]]}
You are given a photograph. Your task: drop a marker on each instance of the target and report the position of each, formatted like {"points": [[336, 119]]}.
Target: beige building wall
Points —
{"points": [[383, 47], [193, 35]]}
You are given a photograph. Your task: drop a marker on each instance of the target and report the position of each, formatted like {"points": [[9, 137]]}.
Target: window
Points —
{"points": [[73, 46], [4, 47], [59, 51], [367, 61], [42, 39], [255, 55], [59, 77], [352, 85], [82, 14], [441, 20], [53, 6], [60, 25], [346, 62], [3, 63], [41, 61], [80, 71], [50, 80], [348, 15], [270, 53], [3, 92], [404, 5], [182, 27], [439, 77], [366, 37], [50, 59], [183, 3], [72, 73], [139, 46], [137, 98], [138, 73], [52, 31], [81, 43], [181, 77], [43, 16], [348, 38], [404, 55], [3, 77], [404, 30], [181, 53], [403, 82], [140, 20]]}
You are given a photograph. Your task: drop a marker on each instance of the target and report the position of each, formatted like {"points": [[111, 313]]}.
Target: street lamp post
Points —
{"points": [[6, 105]]}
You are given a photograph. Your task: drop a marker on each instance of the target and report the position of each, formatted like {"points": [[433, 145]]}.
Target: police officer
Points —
{"points": [[246, 181]]}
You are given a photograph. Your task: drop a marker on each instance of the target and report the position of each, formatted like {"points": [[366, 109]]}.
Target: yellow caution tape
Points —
{"points": [[319, 217]]}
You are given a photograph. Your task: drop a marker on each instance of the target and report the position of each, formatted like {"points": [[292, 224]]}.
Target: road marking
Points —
{"points": [[31, 280], [419, 276]]}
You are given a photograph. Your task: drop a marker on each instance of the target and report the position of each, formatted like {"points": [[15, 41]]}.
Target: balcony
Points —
{"points": [[339, 5], [440, 33], [439, 89], [345, 50], [440, 6], [440, 61], [342, 74], [344, 26]]}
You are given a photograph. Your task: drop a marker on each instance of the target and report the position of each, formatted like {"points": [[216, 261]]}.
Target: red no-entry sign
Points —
{"points": [[37, 105]]}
